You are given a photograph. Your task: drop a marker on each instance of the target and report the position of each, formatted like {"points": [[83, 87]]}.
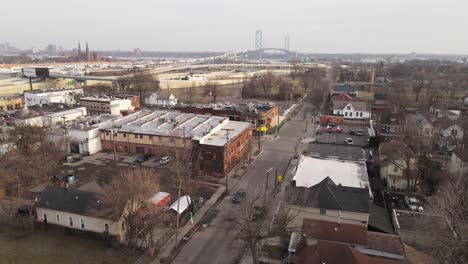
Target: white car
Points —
{"points": [[349, 141], [414, 204], [164, 160]]}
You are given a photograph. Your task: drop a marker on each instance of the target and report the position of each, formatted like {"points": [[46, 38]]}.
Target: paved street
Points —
{"points": [[217, 243]]}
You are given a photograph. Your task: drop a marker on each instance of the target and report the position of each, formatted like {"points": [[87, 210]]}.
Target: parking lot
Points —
{"points": [[333, 137], [349, 152]]}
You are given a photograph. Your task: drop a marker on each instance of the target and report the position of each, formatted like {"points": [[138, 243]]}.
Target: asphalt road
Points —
{"points": [[217, 243]]}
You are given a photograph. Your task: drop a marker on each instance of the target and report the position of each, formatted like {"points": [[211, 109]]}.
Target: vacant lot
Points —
{"points": [[54, 246]]}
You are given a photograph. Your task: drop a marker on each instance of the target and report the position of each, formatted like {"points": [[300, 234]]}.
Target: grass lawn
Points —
{"points": [[54, 246]]}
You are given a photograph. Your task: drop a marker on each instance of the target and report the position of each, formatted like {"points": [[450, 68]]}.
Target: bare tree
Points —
{"points": [[190, 92], [212, 89], [140, 83], [449, 239], [126, 194], [266, 82]]}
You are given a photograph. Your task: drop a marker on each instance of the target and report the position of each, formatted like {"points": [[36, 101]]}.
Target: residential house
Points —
{"points": [[327, 201], [355, 110], [448, 134], [459, 162], [422, 126], [344, 88], [78, 210], [393, 164], [341, 243], [391, 124], [162, 100]]}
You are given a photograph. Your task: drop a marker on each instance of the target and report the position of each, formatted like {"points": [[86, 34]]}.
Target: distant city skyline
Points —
{"points": [[336, 26]]}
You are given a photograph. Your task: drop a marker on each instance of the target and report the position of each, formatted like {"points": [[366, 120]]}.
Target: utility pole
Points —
{"points": [[278, 127], [1, 126], [113, 141], [227, 148], [266, 185], [67, 144]]}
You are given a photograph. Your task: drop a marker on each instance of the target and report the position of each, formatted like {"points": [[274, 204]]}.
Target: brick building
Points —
{"points": [[135, 99], [106, 105], [11, 103], [160, 132], [264, 117]]}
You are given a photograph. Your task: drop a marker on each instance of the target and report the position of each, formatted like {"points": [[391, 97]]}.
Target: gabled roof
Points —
{"points": [[75, 201], [461, 154], [391, 148], [327, 195], [357, 105], [418, 119], [343, 97], [443, 123], [344, 88]]}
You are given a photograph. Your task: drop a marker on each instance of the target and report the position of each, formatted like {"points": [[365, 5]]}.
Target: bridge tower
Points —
{"points": [[286, 43], [258, 39]]}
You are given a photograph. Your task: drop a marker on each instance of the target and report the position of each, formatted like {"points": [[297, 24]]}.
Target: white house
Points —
{"points": [[159, 99], [77, 209], [422, 126], [352, 109], [65, 96]]}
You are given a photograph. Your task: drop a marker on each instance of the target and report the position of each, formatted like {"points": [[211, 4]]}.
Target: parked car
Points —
{"points": [[352, 132], [142, 158], [164, 160], [238, 197], [360, 133], [328, 129], [349, 141], [332, 124], [338, 129], [413, 204], [318, 132]]}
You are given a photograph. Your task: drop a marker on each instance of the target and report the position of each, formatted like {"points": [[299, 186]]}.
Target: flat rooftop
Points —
{"points": [[218, 136], [311, 171], [168, 123], [100, 99]]}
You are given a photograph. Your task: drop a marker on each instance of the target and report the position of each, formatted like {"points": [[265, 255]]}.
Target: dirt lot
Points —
{"points": [[53, 246]]}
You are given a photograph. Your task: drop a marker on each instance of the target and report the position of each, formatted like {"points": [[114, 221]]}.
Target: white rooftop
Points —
{"points": [[311, 171], [100, 99], [168, 123], [218, 136], [184, 201]]}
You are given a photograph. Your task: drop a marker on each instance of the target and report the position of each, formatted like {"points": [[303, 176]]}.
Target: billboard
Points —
{"points": [[36, 72]]}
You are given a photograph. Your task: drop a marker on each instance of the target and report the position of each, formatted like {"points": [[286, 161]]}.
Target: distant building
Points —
{"points": [[459, 162], [393, 167], [51, 50], [10, 103], [135, 99], [159, 99], [50, 117], [448, 134], [106, 105], [344, 88], [42, 97]]}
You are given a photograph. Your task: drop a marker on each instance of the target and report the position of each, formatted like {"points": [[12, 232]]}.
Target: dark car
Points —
{"points": [[238, 197], [352, 132], [142, 158]]}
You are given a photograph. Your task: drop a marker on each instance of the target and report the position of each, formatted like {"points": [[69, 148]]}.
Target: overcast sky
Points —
{"points": [[335, 26]]}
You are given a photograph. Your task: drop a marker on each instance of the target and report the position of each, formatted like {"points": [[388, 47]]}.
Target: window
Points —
{"points": [[151, 137], [70, 220], [323, 211], [395, 169], [44, 218], [345, 113], [123, 227], [454, 132], [107, 133], [124, 135], [350, 113], [361, 114], [348, 107], [82, 223], [136, 136], [58, 218], [141, 136], [106, 227]]}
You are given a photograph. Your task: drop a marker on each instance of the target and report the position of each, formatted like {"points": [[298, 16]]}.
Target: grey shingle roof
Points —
{"points": [[357, 105], [327, 195], [75, 201], [344, 88]]}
